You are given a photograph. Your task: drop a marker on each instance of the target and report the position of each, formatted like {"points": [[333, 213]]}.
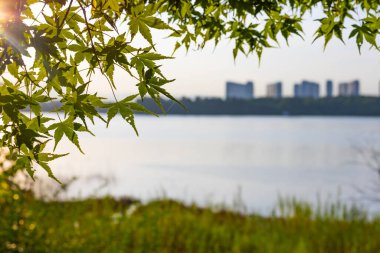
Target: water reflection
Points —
{"points": [[209, 158]]}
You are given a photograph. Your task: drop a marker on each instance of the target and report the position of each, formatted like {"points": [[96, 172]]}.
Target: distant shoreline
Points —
{"points": [[335, 106]]}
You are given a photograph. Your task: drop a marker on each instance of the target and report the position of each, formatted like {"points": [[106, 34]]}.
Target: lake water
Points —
{"points": [[221, 159]]}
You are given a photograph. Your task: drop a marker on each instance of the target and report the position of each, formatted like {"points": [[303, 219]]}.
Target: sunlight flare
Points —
{"points": [[8, 12]]}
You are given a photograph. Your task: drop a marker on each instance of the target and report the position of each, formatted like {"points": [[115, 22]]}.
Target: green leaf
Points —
{"points": [[371, 39], [24, 162], [145, 32], [155, 23], [129, 98], [58, 134], [133, 27], [142, 89], [47, 168], [139, 108], [13, 69], [75, 47], [111, 113], [73, 137], [113, 5], [127, 114], [154, 56], [168, 95]]}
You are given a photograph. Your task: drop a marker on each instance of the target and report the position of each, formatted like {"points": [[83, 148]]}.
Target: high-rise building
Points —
{"points": [[329, 88], [349, 89], [239, 91], [274, 90], [306, 89], [343, 89], [296, 90]]}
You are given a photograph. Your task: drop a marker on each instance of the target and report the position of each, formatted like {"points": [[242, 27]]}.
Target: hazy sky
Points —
{"points": [[205, 72]]}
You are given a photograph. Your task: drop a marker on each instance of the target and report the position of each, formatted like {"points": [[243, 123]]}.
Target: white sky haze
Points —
{"points": [[205, 72]]}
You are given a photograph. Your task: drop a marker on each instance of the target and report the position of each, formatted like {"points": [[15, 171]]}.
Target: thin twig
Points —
{"points": [[59, 28], [93, 48]]}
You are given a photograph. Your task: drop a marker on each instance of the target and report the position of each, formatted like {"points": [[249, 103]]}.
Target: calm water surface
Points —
{"points": [[220, 159]]}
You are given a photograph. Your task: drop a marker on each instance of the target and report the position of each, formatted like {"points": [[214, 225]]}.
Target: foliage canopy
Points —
{"points": [[51, 49]]}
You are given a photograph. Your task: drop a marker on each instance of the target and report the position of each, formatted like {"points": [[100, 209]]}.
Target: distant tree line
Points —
{"points": [[335, 106], [350, 106]]}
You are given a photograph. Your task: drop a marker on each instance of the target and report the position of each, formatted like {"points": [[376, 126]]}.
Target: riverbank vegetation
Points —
{"points": [[30, 224]]}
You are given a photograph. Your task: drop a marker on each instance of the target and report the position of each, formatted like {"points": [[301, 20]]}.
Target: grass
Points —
{"points": [[28, 224]]}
